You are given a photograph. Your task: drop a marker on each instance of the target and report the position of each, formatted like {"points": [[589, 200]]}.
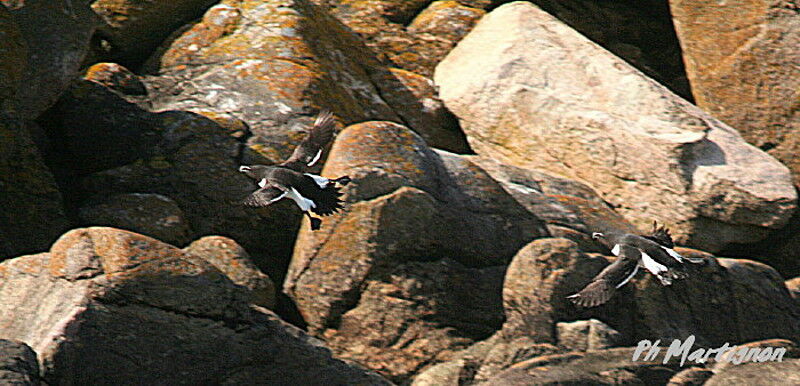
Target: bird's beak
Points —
{"points": [[597, 235], [244, 168]]}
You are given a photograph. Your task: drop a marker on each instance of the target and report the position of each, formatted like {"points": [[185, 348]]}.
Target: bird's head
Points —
{"points": [[597, 236], [248, 171]]}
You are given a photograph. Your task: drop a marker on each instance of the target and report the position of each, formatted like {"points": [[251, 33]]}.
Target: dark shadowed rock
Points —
{"points": [[150, 214], [102, 122], [195, 164], [13, 50], [230, 258], [18, 364], [135, 28], [106, 303], [31, 207], [57, 34], [407, 205], [105, 128]]}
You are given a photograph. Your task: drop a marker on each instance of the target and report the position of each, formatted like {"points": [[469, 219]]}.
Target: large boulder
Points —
{"points": [[134, 29], [741, 59], [547, 270], [31, 206], [524, 99], [57, 35], [272, 64], [232, 260], [111, 306], [18, 364], [412, 217]]}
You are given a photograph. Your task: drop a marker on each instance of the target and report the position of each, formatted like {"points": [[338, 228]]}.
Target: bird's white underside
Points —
{"points": [[304, 203], [646, 262], [652, 265], [262, 183], [322, 182]]}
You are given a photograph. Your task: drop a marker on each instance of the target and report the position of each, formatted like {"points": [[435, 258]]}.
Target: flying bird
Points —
{"points": [[312, 193], [654, 253]]}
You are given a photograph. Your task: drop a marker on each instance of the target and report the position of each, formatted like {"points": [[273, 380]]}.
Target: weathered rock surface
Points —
{"points": [[400, 223], [135, 28], [746, 300], [741, 59], [232, 260], [272, 63], [31, 207], [57, 35], [584, 335], [602, 367], [103, 304], [641, 32], [150, 214], [767, 373], [533, 93], [413, 35], [768, 348], [569, 208], [18, 364]]}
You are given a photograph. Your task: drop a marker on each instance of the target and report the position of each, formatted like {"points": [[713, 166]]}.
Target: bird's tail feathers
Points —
{"points": [[327, 200]]}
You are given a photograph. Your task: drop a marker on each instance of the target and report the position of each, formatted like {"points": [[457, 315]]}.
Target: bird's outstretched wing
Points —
{"points": [[603, 286], [264, 196], [309, 151]]}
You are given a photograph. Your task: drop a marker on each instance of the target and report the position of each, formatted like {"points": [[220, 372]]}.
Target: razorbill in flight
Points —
{"points": [[289, 180], [654, 253]]}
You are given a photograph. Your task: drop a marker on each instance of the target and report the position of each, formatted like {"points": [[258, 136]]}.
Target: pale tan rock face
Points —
{"points": [[742, 62], [533, 93]]}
